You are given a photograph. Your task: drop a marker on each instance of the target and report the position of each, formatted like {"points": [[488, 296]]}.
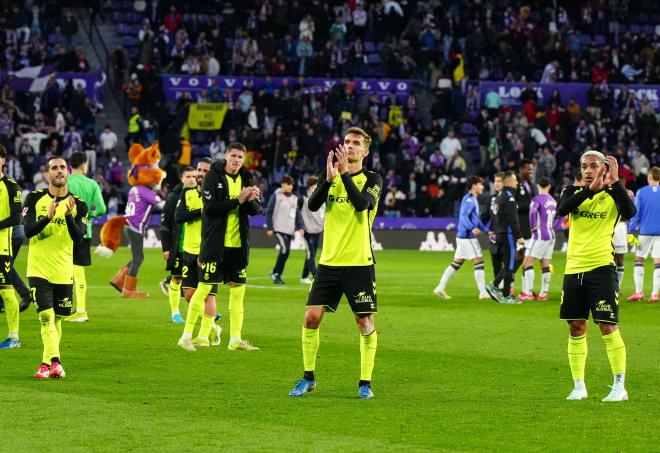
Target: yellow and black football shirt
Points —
{"points": [[50, 254], [592, 224], [351, 202], [10, 212], [233, 232], [189, 214]]}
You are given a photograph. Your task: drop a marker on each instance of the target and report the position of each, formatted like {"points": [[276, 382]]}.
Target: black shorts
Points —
{"points": [[190, 273], [50, 295], [596, 291], [6, 274], [232, 268], [82, 252], [357, 283], [176, 268]]}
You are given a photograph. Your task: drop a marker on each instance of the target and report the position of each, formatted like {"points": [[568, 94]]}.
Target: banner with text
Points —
{"points": [[510, 92], [207, 117], [175, 85], [87, 80]]}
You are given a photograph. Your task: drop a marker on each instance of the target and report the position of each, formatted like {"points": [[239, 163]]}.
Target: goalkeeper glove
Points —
{"points": [[632, 240]]}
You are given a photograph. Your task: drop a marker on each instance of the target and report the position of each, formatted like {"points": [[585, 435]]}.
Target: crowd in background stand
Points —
{"points": [[445, 132]]}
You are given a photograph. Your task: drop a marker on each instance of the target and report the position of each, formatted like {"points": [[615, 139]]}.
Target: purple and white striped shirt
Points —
{"points": [[141, 201], [542, 212]]}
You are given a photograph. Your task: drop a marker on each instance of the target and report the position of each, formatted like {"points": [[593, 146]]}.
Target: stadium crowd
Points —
{"points": [[444, 134]]}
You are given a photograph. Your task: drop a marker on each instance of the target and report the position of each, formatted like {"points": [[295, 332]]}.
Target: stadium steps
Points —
{"points": [[95, 50]]}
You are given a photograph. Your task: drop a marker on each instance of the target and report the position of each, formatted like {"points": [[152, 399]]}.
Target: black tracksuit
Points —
{"points": [[170, 231], [217, 206], [507, 232]]}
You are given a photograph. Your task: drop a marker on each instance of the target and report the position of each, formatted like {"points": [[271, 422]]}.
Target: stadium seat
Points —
{"points": [[129, 41], [467, 129], [374, 58], [473, 141], [369, 47], [53, 39], [133, 17], [377, 71]]}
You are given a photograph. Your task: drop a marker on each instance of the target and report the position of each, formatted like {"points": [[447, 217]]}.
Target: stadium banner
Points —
{"points": [[431, 234], [510, 92], [391, 223], [422, 240], [380, 223], [175, 85], [207, 117], [86, 79]]}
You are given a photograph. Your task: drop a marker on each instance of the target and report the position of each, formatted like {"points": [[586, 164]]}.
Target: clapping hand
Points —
{"points": [[599, 180], [254, 193], [331, 168], [52, 209], [70, 204], [612, 176], [342, 159], [246, 192]]}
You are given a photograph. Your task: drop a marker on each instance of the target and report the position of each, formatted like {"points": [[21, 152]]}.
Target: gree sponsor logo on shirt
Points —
{"points": [[591, 215], [333, 199], [54, 220]]}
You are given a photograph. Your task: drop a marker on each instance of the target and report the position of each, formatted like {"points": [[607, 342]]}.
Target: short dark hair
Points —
{"points": [[544, 182], [509, 174], [286, 179], [312, 180], [524, 162], [77, 160], [187, 169], [474, 180], [654, 173], [3, 152], [51, 158], [500, 174], [206, 160], [236, 145]]}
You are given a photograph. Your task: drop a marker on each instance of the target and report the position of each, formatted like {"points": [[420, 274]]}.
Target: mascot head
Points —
{"points": [[144, 169]]}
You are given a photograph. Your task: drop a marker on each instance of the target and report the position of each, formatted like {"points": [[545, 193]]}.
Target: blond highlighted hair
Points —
{"points": [[597, 154], [362, 133]]}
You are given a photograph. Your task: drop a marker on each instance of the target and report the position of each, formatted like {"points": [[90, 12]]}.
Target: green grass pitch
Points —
{"points": [[450, 375]]}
